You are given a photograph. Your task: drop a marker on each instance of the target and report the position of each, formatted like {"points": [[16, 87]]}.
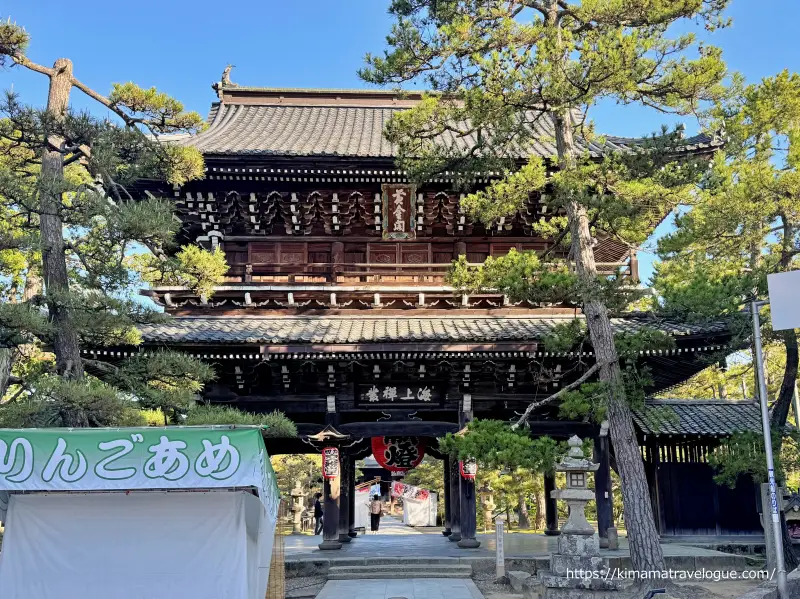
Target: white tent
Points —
{"points": [[132, 513], [420, 512]]}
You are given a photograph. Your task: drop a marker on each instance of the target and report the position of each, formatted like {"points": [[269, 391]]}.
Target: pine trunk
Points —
{"points": [[524, 519], [538, 498], [646, 553], [780, 411], [51, 228], [6, 362]]}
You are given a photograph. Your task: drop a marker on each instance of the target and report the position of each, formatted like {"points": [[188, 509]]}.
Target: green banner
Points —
{"points": [[135, 458]]}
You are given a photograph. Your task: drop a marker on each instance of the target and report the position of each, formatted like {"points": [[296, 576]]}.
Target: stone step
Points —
{"points": [[404, 561], [395, 575], [389, 571]]}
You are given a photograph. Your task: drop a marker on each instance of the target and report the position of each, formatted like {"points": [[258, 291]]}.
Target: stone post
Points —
{"points": [[297, 508], [500, 551]]}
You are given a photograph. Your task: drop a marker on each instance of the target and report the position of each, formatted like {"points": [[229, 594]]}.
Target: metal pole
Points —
{"points": [[762, 392]]}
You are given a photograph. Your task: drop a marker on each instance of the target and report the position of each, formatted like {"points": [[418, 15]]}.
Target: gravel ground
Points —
{"points": [[706, 590], [488, 586]]}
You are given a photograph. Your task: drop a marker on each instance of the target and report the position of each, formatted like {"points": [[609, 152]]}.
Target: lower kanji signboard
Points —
{"points": [[400, 394]]}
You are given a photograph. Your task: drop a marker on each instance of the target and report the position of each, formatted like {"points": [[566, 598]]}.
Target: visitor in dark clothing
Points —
{"points": [[317, 514]]}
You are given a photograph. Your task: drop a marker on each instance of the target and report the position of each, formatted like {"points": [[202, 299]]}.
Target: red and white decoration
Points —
{"points": [[398, 454], [469, 468], [409, 491]]}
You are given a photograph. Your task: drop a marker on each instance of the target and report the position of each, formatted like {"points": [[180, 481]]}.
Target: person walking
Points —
{"points": [[318, 514], [375, 511]]}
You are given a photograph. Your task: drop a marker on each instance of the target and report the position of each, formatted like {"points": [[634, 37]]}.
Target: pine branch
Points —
{"points": [[24, 61], [536, 404]]}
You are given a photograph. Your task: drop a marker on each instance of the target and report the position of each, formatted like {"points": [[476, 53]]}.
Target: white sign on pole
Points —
{"points": [[784, 299]]}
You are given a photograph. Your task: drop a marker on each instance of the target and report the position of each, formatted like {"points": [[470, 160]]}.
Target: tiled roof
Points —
{"points": [[697, 417], [357, 131], [397, 329]]}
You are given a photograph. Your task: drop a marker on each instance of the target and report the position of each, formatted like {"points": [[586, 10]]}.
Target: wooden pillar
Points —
{"points": [[651, 465], [602, 485], [351, 504], [331, 490], [455, 501], [468, 503], [447, 515], [550, 506], [344, 503]]}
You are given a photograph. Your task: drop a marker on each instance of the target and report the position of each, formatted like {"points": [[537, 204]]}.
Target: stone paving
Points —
{"points": [[398, 540], [409, 588]]}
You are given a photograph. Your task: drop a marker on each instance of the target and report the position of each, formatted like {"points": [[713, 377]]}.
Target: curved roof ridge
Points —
{"points": [[688, 401]]}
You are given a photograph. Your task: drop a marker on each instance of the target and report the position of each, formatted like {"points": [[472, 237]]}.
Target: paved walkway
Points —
{"points": [[398, 540], [410, 588]]}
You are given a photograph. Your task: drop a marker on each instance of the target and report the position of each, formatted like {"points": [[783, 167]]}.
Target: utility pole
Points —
{"points": [[773, 491]]}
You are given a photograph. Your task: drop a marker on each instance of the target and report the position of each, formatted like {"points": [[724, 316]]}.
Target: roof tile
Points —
{"points": [[339, 330], [290, 130], [691, 417]]}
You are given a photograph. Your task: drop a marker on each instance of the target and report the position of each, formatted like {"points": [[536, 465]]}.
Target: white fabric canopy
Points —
{"points": [[420, 512], [140, 545]]}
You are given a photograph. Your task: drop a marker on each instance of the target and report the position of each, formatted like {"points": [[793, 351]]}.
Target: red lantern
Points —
{"points": [[398, 454], [468, 468], [330, 462]]}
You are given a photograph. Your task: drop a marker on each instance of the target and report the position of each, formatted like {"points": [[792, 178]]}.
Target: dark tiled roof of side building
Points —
{"points": [[370, 330], [697, 417], [347, 123]]}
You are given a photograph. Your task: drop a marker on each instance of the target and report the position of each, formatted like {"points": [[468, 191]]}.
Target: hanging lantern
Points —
{"points": [[468, 468], [330, 462], [398, 454]]}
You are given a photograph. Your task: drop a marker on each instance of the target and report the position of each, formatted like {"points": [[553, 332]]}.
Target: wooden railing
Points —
{"points": [[372, 273]]}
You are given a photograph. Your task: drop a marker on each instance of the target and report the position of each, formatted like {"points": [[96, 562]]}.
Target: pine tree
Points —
{"points": [[745, 222], [499, 68], [742, 225], [67, 215]]}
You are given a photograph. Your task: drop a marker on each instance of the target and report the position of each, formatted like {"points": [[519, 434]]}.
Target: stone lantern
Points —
{"points": [[297, 508], [577, 528], [488, 505], [578, 544]]}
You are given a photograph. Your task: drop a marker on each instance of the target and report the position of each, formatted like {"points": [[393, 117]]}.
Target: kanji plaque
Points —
{"points": [[400, 394], [399, 203]]}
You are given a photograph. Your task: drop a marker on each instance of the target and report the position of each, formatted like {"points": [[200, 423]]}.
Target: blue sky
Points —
{"points": [[181, 47]]}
